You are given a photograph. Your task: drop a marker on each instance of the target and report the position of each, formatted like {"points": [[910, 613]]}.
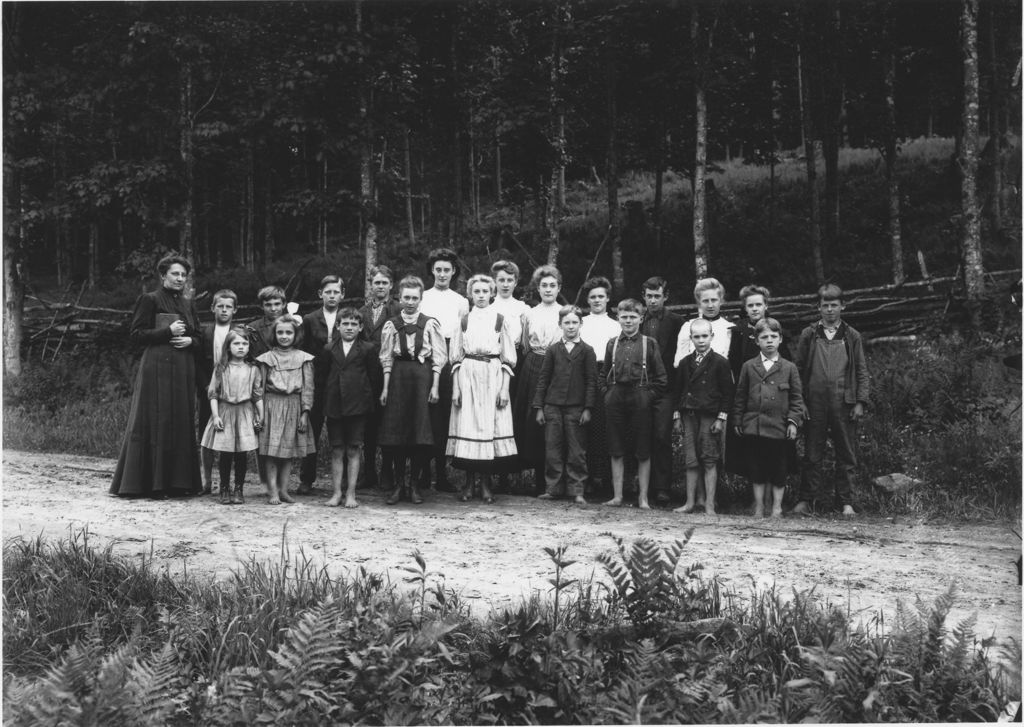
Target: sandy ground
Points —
{"points": [[493, 554]]}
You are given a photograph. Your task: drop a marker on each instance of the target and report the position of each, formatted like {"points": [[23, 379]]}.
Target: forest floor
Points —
{"points": [[492, 555]]}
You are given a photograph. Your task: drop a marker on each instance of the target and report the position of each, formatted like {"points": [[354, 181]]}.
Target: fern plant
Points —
{"points": [[645, 579]]}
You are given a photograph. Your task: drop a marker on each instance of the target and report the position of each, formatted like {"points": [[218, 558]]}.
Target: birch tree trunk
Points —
{"points": [[556, 138], [700, 241], [813, 200], [497, 167], [970, 241], [14, 285], [612, 175], [186, 151], [408, 192], [366, 226], [889, 148]]}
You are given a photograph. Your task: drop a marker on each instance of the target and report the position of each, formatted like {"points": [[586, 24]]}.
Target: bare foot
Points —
{"points": [[614, 502], [644, 505], [801, 508], [685, 509], [334, 501], [350, 503], [273, 500], [545, 496], [285, 497], [848, 511], [777, 512], [579, 500], [710, 511], [758, 512]]}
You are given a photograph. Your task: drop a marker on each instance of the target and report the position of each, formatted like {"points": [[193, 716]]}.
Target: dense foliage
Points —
{"points": [[250, 132], [288, 644]]}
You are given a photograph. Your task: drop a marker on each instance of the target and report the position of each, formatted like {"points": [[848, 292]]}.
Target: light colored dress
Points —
{"points": [[239, 388], [513, 310], [480, 431], [288, 392]]}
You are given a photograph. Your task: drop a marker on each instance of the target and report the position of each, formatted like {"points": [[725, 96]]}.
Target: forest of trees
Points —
{"points": [[238, 133]]}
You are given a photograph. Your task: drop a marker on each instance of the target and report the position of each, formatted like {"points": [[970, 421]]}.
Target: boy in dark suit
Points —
{"points": [[319, 330], [224, 305], [663, 326], [354, 374], [377, 310], [704, 390], [566, 394]]}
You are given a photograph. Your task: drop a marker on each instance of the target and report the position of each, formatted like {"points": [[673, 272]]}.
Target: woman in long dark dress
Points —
{"points": [[159, 457]]}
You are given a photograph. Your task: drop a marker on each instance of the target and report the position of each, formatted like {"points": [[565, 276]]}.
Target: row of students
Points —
{"points": [[536, 330]]}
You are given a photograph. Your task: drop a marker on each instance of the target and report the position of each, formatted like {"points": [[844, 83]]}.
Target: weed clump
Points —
{"points": [[286, 643]]}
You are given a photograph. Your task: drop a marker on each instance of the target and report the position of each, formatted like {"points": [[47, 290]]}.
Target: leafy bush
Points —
{"points": [[285, 643]]}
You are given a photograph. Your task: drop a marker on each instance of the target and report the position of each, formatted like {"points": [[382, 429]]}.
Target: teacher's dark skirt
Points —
{"points": [[405, 421], [529, 434]]}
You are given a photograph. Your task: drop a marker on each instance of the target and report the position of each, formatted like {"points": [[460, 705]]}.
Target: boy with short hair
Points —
{"points": [[378, 308], [319, 330], [704, 391], [836, 387], [224, 306], [354, 374], [261, 330], [566, 395], [635, 376], [766, 413], [663, 326]]}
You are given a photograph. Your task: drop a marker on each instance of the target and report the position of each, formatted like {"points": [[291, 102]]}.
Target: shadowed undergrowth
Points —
{"points": [[287, 643]]}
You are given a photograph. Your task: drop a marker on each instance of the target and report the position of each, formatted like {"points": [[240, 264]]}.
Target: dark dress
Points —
{"points": [[159, 456]]}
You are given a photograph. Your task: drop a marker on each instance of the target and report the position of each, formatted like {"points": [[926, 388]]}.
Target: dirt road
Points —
{"points": [[493, 554]]}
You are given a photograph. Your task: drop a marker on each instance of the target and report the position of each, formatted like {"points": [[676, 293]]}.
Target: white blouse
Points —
{"points": [[540, 328], [513, 309], [597, 329], [447, 307]]}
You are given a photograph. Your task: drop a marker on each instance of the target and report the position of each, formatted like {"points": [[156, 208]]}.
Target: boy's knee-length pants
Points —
{"points": [[565, 444], [829, 418]]}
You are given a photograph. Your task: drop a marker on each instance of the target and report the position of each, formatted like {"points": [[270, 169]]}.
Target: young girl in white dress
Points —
{"points": [[288, 397], [483, 356], [236, 413]]}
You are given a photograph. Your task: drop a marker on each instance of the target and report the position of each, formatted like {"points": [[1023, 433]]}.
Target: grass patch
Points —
{"points": [[286, 643]]}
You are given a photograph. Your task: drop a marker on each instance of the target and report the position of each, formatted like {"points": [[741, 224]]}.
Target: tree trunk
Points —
{"points": [[249, 238], [268, 223], [612, 175], [995, 127], [700, 241], [889, 147], [807, 132], [186, 151], [497, 167], [562, 157], [366, 211], [973, 268], [14, 285], [93, 259], [556, 135], [659, 177], [832, 96], [474, 177], [408, 191]]}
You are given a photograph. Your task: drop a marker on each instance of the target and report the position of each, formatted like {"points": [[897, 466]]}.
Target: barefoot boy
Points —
{"points": [[348, 401], [705, 388], [767, 410], [635, 375]]}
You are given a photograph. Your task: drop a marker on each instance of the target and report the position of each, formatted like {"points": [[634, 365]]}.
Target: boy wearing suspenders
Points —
{"points": [[635, 375]]}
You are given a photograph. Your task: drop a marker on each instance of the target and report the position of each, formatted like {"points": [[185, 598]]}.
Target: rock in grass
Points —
{"points": [[896, 483]]}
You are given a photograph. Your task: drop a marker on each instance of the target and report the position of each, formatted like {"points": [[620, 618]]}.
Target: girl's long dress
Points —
{"points": [[241, 386], [540, 330], [288, 391], [596, 330], [480, 437], [411, 351], [159, 456]]}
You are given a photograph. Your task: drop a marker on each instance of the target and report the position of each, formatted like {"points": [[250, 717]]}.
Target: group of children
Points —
{"points": [[494, 387]]}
